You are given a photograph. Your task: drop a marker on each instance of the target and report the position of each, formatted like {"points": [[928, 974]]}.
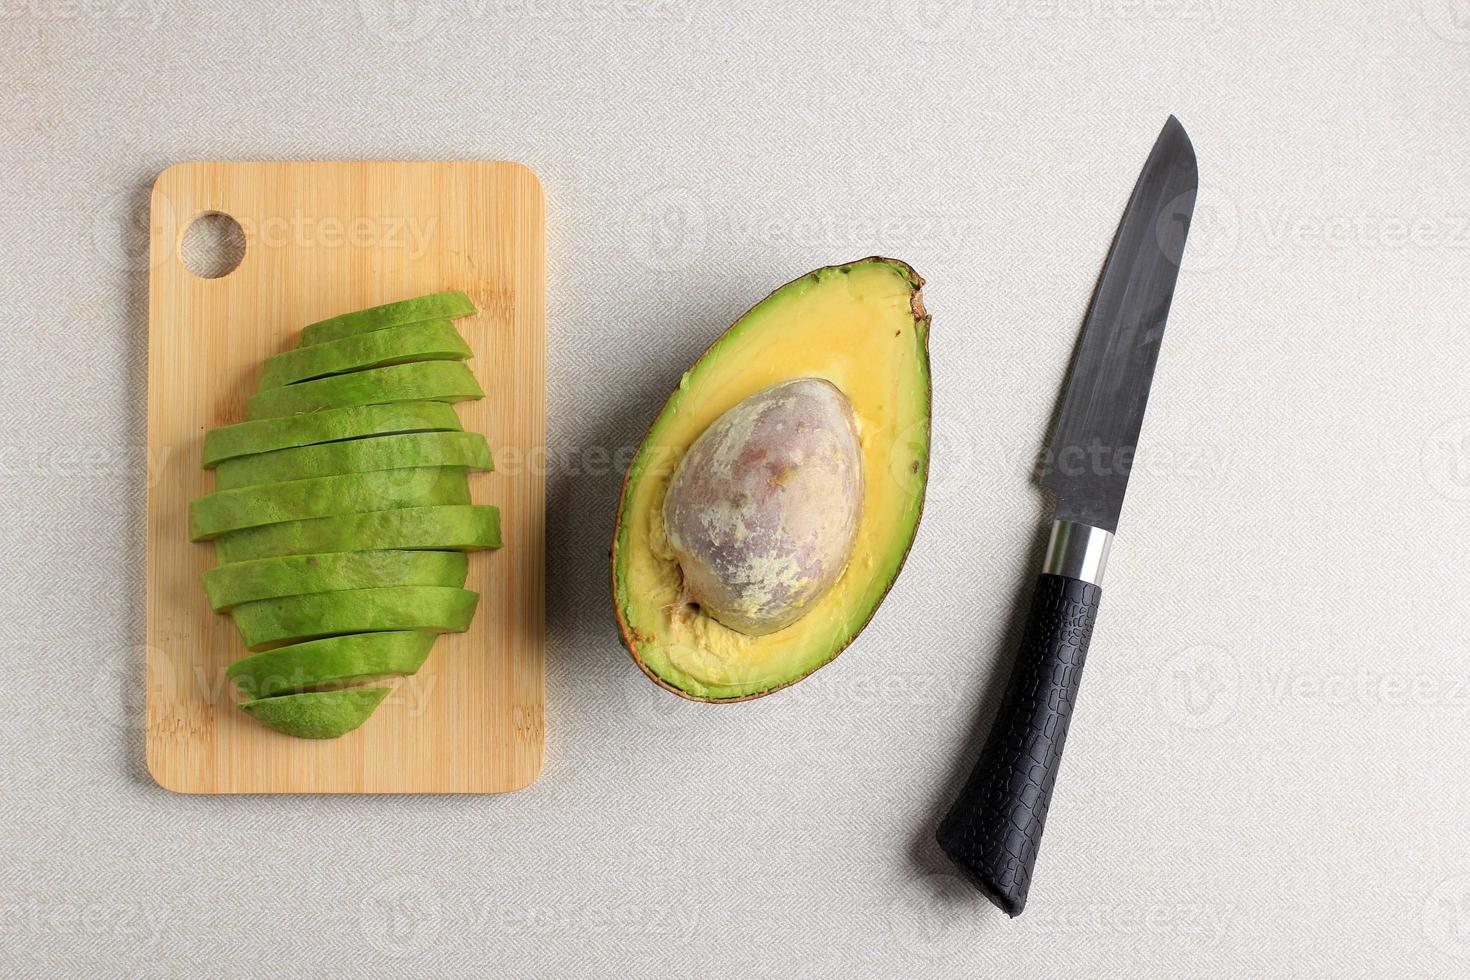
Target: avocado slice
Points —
{"points": [[407, 451], [321, 714], [433, 340], [428, 381], [473, 527], [436, 306], [337, 661], [353, 422], [863, 328], [272, 622], [270, 578], [328, 496]]}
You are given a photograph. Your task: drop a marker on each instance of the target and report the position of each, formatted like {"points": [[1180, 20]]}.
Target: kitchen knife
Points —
{"points": [[993, 831]]}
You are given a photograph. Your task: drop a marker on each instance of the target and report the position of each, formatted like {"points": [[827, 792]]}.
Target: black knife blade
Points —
{"points": [[993, 830], [1091, 453]]}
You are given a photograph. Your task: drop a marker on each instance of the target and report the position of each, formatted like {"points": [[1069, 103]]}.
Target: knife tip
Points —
{"points": [[1174, 134]]}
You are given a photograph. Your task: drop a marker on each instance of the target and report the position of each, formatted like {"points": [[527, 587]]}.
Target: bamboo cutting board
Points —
{"points": [[323, 239]]}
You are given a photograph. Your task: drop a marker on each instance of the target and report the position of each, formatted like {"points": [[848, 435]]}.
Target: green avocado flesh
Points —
{"points": [[328, 496], [437, 306], [323, 714], [271, 622], [434, 340], [354, 422], [229, 585], [472, 527], [417, 449], [337, 661], [860, 328], [430, 381], [342, 513]]}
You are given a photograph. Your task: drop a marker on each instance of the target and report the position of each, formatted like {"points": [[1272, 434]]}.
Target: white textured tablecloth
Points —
{"points": [[1268, 770]]}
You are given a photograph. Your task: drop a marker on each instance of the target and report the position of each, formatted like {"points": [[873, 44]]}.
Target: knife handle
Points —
{"points": [[993, 831]]}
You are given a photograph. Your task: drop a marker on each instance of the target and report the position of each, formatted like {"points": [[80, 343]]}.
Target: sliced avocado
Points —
{"points": [[353, 422], [436, 306], [411, 450], [863, 328], [433, 340], [322, 714], [328, 496], [461, 528], [428, 381], [337, 661], [270, 578], [271, 622]]}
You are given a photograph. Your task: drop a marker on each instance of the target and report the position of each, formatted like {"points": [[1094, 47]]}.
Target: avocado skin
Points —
{"points": [[271, 622], [405, 451], [321, 714], [353, 422], [336, 661], [631, 636], [432, 340], [273, 503], [448, 305], [471, 527], [231, 584], [432, 381]]}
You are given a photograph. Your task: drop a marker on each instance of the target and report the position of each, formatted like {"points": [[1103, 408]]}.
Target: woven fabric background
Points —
{"points": [[1267, 773]]}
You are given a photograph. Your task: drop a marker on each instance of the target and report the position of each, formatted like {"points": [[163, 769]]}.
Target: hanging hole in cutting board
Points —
{"points": [[213, 245]]}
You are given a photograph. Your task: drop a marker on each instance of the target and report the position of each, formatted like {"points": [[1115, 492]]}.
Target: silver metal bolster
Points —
{"points": [[1077, 551]]}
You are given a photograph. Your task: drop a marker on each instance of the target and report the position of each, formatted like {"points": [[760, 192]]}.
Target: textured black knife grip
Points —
{"points": [[993, 831]]}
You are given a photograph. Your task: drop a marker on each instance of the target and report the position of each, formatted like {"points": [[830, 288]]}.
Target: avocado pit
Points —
{"points": [[763, 511]]}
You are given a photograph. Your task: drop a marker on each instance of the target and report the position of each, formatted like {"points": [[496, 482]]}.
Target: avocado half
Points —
{"points": [[861, 326]]}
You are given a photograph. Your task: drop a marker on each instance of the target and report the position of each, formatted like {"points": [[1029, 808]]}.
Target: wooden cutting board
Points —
{"points": [[322, 239]]}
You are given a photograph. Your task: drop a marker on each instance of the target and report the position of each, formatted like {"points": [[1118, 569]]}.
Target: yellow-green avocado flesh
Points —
{"points": [[862, 327]]}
